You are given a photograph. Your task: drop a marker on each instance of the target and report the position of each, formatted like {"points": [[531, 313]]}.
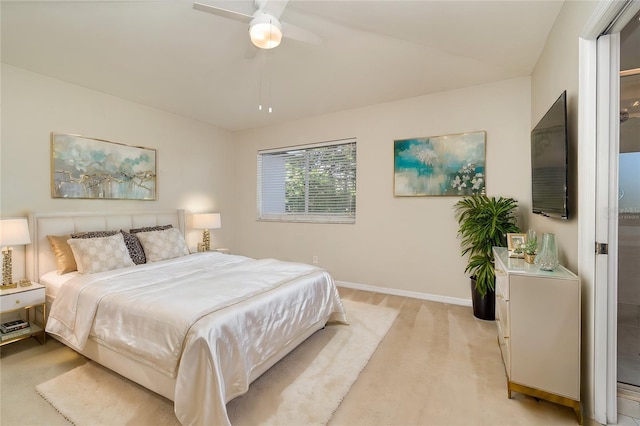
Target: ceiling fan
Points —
{"points": [[265, 29]]}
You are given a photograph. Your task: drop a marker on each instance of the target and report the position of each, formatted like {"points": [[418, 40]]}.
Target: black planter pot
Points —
{"points": [[484, 308]]}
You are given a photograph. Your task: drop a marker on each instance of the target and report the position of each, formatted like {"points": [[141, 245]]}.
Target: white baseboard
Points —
{"points": [[405, 293]]}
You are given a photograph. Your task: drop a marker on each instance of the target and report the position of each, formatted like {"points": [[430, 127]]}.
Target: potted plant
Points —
{"points": [[529, 250], [484, 223]]}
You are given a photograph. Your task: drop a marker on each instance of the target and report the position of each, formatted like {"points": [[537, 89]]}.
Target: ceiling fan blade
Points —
{"points": [[270, 7], [225, 13], [275, 7], [297, 33]]}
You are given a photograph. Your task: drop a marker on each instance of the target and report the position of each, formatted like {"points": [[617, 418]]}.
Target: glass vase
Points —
{"points": [[547, 258]]}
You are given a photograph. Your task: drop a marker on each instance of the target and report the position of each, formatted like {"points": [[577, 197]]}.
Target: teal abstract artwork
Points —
{"points": [[440, 165]]}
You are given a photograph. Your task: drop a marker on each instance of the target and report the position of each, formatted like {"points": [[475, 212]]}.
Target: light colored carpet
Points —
{"points": [[306, 387]]}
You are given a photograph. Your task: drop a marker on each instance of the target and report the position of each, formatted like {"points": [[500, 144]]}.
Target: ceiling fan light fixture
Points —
{"points": [[265, 31]]}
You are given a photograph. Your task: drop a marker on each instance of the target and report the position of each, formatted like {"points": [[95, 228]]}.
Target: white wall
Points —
{"points": [[407, 244], [193, 167], [557, 70]]}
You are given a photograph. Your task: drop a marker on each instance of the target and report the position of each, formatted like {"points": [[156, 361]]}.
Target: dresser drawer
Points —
{"points": [[502, 283], [502, 318], [9, 302], [502, 323], [505, 351]]}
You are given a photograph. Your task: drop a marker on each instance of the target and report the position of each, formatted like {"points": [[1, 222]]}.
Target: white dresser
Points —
{"points": [[538, 320]]}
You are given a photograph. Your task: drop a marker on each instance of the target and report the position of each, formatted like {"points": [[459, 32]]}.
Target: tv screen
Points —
{"points": [[549, 146]]}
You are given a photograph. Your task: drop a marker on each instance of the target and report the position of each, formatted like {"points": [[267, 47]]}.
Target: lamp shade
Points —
{"points": [[265, 31], [207, 221], [14, 232]]}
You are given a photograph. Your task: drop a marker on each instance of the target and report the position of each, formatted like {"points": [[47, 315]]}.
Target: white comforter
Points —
{"points": [[231, 314]]}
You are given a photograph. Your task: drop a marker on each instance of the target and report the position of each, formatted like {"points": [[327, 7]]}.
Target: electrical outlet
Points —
{"points": [[315, 260]]}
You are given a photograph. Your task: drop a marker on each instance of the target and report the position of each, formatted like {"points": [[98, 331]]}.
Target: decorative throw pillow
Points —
{"points": [[135, 248], [161, 245], [100, 254], [94, 234], [150, 228], [65, 262]]}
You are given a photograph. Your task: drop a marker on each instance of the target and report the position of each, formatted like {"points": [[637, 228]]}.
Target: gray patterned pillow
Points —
{"points": [[135, 248], [100, 253], [161, 245], [150, 228], [94, 234]]}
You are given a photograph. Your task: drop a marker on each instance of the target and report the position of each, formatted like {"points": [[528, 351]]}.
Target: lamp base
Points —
{"points": [[206, 240], [8, 286], [7, 272]]}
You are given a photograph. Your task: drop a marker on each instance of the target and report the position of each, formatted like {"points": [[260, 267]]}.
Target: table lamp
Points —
{"points": [[13, 232], [206, 221]]}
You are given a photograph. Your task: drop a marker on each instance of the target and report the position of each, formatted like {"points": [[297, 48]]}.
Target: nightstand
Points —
{"points": [[26, 303]]}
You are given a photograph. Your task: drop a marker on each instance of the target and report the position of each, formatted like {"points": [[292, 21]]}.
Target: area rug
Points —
{"points": [[305, 387]]}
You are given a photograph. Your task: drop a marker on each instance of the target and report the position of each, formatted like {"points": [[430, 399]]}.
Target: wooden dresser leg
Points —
{"points": [[578, 411]]}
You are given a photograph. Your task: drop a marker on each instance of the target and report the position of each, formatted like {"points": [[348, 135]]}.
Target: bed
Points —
{"points": [[197, 328]]}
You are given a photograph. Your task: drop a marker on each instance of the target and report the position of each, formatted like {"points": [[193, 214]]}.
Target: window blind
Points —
{"points": [[309, 183]]}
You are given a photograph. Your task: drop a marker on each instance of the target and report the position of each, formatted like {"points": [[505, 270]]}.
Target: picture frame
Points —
{"points": [[90, 168], [514, 240], [449, 165]]}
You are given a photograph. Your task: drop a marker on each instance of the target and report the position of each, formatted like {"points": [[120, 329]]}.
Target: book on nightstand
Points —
{"points": [[10, 335], [11, 326]]}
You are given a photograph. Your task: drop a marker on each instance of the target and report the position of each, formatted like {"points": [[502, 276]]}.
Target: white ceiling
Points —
{"points": [[167, 55]]}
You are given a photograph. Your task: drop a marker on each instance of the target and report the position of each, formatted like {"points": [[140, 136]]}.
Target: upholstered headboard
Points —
{"points": [[40, 258]]}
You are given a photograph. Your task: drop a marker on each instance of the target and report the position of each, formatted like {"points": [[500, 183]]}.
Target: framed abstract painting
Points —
{"points": [[440, 165], [97, 169]]}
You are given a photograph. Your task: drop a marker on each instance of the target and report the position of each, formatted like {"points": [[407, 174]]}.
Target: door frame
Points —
{"points": [[598, 132], [608, 149]]}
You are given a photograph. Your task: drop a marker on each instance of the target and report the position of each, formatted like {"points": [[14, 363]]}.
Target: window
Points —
{"points": [[310, 183]]}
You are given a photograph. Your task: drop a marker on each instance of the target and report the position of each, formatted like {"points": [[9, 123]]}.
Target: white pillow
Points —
{"points": [[100, 254], [161, 245]]}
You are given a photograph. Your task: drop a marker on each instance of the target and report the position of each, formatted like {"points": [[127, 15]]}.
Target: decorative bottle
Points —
{"points": [[547, 258]]}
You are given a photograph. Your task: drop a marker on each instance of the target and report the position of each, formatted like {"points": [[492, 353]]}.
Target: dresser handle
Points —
{"points": [[17, 301]]}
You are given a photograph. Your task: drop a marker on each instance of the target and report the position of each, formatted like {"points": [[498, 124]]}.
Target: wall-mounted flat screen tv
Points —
{"points": [[549, 162]]}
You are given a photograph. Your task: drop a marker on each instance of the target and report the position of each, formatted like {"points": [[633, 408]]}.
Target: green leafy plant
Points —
{"points": [[531, 246], [483, 224]]}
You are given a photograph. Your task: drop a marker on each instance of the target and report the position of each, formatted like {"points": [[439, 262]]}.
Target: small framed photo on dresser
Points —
{"points": [[515, 243]]}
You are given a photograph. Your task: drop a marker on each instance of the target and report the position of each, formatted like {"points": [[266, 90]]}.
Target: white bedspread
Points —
{"points": [[231, 314]]}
